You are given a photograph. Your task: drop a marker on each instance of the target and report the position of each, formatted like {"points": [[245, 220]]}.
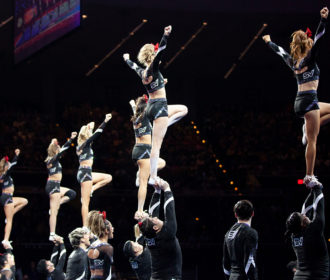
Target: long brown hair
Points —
{"points": [[52, 149], [98, 224], [300, 44], [3, 162], [141, 105], [84, 134]]}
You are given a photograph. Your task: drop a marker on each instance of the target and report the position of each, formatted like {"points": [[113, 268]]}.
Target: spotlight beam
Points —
{"points": [[3, 23], [240, 58], [193, 37], [100, 62]]}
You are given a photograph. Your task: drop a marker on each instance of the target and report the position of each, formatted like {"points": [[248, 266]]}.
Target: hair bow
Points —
{"points": [[6, 158], [156, 47], [140, 224], [308, 33], [145, 98], [103, 214]]}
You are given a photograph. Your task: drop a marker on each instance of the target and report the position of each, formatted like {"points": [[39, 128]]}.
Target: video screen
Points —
{"points": [[39, 22]]}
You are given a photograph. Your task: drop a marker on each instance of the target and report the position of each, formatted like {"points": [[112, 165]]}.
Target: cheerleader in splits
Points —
{"points": [[302, 61], [11, 205], [89, 181], [57, 194], [141, 151], [158, 112], [100, 252]]}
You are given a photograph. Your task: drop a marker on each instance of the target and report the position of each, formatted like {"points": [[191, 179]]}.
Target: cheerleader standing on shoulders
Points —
{"points": [[57, 195], [302, 61], [158, 112], [89, 181], [142, 148], [11, 205]]}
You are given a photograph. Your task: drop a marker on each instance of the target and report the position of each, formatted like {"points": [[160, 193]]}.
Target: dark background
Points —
{"points": [[247, 121]]}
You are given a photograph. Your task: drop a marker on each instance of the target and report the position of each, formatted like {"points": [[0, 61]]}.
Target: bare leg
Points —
{"points": [[86, 188], [64, 198], [176, 113], [100, 180], [324, 113], [144, 169], [10, 210], [19, 203], [312, 120], [158, 133], [54, 205], [161, 164]]}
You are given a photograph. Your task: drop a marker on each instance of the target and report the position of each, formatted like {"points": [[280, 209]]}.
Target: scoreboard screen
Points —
{"points": [[39, 22]]}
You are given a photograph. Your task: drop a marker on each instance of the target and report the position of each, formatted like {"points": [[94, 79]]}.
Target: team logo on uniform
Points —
{"points": [[298, 242], [151, 241], [134, 265], [154, 84], [142, 129], [53, 169], [308, 75], [98, 263]]}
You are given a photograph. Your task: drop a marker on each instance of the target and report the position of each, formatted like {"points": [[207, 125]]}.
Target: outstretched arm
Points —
{"points": [[319, 35], [162, 46], [308, 205], [97, 132], [279, 50], [63, 148], [62, 257], [155, 203], [139, 70], [169, 209], [318, 207]]}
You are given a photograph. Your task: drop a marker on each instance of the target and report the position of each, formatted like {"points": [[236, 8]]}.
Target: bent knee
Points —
{"points": [[161, 163], [108, 178], [185, 109], [71, 194]]}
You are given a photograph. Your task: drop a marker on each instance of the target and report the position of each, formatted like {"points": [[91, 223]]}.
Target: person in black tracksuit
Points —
{"points": [[77, 267], [139, 255], [240, 245], [160, 236], [306, 230], [53, 269], [7, 265]]}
